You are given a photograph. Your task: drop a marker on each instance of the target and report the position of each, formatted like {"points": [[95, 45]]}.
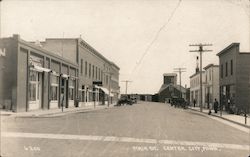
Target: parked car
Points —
{"points": [[178, 102], [124, 100]]}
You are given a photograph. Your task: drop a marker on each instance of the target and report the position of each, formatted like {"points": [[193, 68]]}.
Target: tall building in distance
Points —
{"points": [[170, 89]]}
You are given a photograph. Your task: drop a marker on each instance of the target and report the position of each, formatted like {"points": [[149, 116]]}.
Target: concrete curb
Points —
{"points": [[244, 125], [57, 113]]}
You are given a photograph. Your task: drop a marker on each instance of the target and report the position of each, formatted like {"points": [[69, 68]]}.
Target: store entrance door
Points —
{"points": [[35, 91]]}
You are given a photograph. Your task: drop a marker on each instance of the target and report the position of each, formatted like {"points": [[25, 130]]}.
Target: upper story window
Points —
{"points": [[86, 68], [81, 66], [210, 74], [89, 70], [99, 73], [226, 69], [96, 73], [232, 70], [221, 70], [93, 69]]}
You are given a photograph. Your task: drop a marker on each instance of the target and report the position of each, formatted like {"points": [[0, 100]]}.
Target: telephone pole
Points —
{"points": [[180, 70], [126, 81], [200, 50]]}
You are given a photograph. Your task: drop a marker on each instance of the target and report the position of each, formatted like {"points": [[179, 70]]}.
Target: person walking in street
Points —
{"points": [[216, 105]]}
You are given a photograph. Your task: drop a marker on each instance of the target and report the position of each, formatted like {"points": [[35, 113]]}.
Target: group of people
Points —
{"points": [[216, 105]]}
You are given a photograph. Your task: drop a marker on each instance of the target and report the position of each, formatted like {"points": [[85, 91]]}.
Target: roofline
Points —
{"points": [[210, 65], [31, 45], [196, 74], [88, 46], [227, 48], [169, 74]]}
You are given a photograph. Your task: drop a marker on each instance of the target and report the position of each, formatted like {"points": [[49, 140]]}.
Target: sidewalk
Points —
{"points": [[54, 112], [237, 119]]}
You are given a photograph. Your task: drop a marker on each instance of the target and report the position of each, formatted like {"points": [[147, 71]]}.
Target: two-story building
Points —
{"points": [[195, 88], [212, 91], [56, 72], [93, 68], [34, 78], [234, 79]]}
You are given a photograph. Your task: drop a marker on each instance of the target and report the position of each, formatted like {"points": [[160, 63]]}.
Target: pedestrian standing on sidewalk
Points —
{"points": [[216, 105], [194, 102], [61, 100]]}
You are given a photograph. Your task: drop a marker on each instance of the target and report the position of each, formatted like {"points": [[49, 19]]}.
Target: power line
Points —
{"points": [[200, 50], [156, 36]]}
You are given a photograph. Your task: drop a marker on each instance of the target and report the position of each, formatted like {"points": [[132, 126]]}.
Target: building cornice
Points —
{"points": [[227, 48]]}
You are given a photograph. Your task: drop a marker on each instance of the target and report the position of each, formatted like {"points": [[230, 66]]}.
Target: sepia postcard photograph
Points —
{"points": [[124, 78]]}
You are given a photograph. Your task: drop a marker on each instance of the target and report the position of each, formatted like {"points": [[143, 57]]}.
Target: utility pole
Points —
{"points": [[200, 50], [180, 70], [127, 81]]}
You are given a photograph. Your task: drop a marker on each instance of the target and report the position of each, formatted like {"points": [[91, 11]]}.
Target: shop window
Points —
{"points": [[54, 93], [71, 93], [33, 86], [54, 87], [33, 76], [71, 89], [32, 92]]}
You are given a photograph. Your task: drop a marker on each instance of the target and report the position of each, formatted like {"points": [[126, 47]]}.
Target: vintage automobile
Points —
{"points": [[178, 102], [124, 100]]}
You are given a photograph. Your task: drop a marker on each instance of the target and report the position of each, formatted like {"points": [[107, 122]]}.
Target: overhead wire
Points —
{"points": [[156, 37]]}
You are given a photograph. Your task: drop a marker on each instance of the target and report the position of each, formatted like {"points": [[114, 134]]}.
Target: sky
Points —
{"points": [[145, 38]]}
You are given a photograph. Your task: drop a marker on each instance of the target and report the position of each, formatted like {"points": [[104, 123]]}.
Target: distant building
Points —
{"points": [[170, 89], [234, 79], [211, 84], [195, 88]]}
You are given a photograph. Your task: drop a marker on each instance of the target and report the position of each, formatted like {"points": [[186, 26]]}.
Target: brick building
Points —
{"points": [[33, 77], [93, 67], [234, 79], [36, 75]]}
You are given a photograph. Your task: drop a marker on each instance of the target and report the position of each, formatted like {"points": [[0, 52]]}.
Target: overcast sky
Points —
{"points": [[145, 38]]}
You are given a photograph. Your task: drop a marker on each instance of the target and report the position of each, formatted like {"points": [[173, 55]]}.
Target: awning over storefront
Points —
{"points": [[55, 73], [40, 69], [106, 91], [65, 76]]}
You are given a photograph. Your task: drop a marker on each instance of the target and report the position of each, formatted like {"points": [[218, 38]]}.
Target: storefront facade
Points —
{"points": [[234, 74], [93, 68], [36, 79]]}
